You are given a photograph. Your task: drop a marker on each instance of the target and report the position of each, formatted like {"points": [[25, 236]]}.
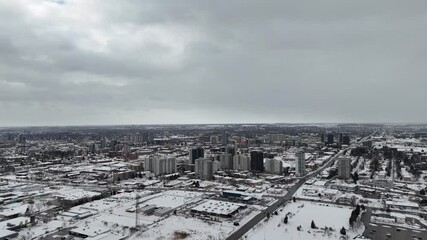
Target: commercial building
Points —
{"points": [[368, 144], [218, 208]]}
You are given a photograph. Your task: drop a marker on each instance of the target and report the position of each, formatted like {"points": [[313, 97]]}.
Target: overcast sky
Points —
{"points": [[77, 62]]}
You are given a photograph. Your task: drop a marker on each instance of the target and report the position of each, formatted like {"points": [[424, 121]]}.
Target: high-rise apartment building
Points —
{"points": [[241, 162], [273, 166], [224, 138], [204, 168], [160, 166], [300, 163], [226, 160], [344, 168], [230, 149]]}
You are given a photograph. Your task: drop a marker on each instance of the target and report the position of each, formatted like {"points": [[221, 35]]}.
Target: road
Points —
{"points": [[282, 200]]}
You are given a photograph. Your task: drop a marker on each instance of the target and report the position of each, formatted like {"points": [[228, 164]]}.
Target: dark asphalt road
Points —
{"points": [[281, 201]]}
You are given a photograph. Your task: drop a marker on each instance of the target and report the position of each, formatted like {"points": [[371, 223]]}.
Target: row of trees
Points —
{"points": [[313, 226], [354, 217]]}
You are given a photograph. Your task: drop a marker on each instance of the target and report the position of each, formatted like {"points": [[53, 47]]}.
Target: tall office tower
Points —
{"points": [[344, 168], [257, 161], [273, 166], [322, 137], [300, 163], [226, 160], [340, 139], [196, 153], [241, 162], [346, 140], [204, 168], [224, 138], [330, 138], [230, 149]]}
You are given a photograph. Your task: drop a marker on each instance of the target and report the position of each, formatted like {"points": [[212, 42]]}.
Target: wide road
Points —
{"points": [[282, 200]]}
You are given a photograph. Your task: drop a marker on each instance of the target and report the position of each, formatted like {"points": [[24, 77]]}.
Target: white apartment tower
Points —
{"points": [[160, 166], [273, 166], [241, 162], [204, 168], [149, 164]]}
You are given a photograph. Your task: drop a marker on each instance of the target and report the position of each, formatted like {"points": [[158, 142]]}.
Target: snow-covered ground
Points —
{"points": [[39, 230], [301, 214], [172, 227], [172, 199]]}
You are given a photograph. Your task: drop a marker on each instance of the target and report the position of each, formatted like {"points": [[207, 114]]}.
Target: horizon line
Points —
{"points": [[200, 124]]}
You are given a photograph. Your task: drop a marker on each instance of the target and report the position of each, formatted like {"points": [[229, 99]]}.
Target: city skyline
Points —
{"points": [[74, 63]]}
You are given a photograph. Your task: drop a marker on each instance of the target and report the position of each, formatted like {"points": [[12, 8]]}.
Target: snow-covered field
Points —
{"points": [[197, 229], [172, 199], [301, 214]]}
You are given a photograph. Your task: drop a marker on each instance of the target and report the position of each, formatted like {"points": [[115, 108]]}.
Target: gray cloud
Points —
{"points": [[119, 62]]}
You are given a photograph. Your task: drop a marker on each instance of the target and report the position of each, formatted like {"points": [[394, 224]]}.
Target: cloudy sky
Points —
{"points": [[77, 62]]}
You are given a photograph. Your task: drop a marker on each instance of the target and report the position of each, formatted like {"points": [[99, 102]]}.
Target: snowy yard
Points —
{"points": [[301, 214]]}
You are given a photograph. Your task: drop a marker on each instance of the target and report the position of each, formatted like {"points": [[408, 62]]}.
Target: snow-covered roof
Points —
{"points": [[218, 207], [90, 230]]}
